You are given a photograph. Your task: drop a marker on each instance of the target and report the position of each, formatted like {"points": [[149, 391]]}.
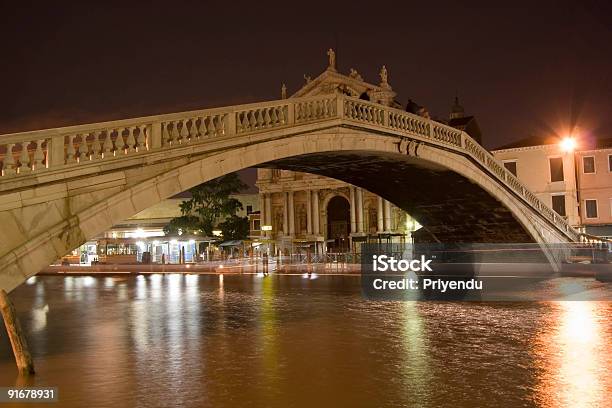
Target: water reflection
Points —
{"points": [[280, 341], [577, 361]]}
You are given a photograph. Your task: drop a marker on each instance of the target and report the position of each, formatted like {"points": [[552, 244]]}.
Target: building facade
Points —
{"points": [[573, 177], [126, 243], [302, 212]]}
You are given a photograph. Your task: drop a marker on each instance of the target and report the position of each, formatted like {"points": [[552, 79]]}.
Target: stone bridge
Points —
{"points": [[61, 187]]}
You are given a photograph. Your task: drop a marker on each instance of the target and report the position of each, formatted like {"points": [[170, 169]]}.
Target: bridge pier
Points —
{"points": [[23, 358]]}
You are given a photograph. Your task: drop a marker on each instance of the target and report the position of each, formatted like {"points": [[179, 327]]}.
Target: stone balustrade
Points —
{"points": [[310, 109], [38, 151]]}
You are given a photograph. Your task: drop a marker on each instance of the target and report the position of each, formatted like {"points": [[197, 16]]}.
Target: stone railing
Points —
{"points": [[440, 134], [39, 151]]}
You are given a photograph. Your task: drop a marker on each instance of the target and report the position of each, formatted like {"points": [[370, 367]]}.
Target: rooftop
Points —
{"points": [[584, 144]]}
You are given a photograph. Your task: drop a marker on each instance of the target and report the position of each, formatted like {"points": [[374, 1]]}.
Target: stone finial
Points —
{"points": [[384, 77], [307, 78], [355, 75], [283, 91], [332, 59]]}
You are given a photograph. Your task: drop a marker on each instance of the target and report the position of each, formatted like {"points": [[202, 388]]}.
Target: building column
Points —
{"points": [[268, 211], [262, 211], [285, 213], [352, 199], [380, 216], [315, 212], [387, 224], [291, 214], [360, 220], [308, 212]]}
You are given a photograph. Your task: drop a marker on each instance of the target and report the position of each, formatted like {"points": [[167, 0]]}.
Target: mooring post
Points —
{"points": [[23, 358]]}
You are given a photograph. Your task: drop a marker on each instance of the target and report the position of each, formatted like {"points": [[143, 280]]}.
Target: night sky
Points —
{"points": [[522, 69]]}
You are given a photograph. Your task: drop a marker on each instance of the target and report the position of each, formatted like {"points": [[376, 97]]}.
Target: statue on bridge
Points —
{"points": [[384, 77], [332, 59]]}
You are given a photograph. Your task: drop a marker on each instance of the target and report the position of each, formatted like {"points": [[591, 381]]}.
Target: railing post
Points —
{"points": [[56, 151], [290, 112], [385, 117], [230, 123], [340, 106], [156, 136]]}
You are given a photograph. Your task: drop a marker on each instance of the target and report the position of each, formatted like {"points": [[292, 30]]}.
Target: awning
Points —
{"points": [[231, 243]]}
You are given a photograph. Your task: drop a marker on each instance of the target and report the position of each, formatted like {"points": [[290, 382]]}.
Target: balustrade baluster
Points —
{"points": [[107, 145], [202, 128], [120, 141], [193, 130], [212, 130], [184, 133], [166, 136], [9, 160], [218, 123], [24, 158], [96, 148], [174, 133], [83, 150], [70, 150], [139, 137], [131, 140], [253, 120], [39, 156], [144, 142], [245, 121], [266, 118]]}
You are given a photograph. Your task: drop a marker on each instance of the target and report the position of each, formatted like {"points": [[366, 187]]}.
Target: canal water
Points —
{"points": [[300, 341]]}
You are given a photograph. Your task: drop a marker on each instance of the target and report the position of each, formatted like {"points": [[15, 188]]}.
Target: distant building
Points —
{"points": [[467, 123], [144, 232], [305, 212], [574, 180]]}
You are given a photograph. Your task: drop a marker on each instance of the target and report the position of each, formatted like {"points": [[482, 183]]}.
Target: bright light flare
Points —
{"points": [[568, 144]]}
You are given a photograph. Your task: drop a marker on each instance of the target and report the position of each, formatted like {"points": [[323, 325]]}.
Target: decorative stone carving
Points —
{"points": [[355, 75], [408, 146], [307, 78]]}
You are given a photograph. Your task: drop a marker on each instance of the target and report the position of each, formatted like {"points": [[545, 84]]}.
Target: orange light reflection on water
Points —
{"points": [[574, 358]]}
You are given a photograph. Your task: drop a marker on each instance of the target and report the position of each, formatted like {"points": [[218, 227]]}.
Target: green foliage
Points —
{"points": [[235, 228], [186, 224], [210, 206]]}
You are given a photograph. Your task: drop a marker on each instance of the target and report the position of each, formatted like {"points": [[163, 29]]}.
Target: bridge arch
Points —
{"points": [[376, 155]]}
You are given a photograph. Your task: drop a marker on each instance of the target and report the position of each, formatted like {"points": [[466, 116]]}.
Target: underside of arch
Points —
{"points": [[448, 205]]}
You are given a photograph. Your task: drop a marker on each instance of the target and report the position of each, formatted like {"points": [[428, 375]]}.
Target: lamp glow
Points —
{"points": [[568, 144]]}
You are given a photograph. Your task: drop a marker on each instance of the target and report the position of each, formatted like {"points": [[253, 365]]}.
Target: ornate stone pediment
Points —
{"points": [[331, 81]]}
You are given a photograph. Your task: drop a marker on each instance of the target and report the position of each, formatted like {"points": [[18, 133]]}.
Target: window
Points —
{"points": [[511, 166], [610, 162], [558, 204], [588, 164], [590, 208], [556, 169], [249, 209], [256, 225]]}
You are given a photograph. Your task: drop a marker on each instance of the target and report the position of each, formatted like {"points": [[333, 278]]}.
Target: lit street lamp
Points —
{"points": [[568, 144]]}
